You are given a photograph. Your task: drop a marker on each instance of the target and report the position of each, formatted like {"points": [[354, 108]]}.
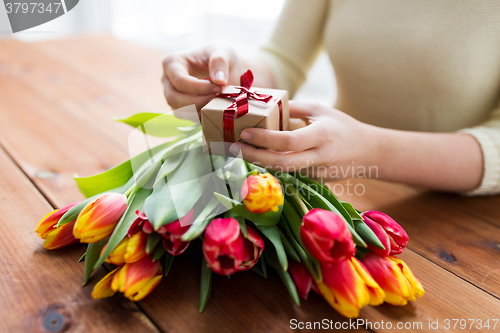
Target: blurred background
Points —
{"points": [[173, 25]]}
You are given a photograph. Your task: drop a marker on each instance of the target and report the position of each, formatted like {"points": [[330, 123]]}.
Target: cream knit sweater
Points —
{"points": [[419, 65]]}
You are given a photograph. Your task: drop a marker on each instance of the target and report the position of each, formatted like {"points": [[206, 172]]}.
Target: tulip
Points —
{"points": [[130, 249], [389, 232], [56, 238], [254, 245], [224, 246], [135, 280], [395, 278], [172, 234], [347, 287], [140, 223], [262, 193], [98, 219], [301, 277], [326, 237]]}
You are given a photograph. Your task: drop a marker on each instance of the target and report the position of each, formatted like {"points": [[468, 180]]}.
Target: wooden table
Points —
{"points": [[57, 101]]}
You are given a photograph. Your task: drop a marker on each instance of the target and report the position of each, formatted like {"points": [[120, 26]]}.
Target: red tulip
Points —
{"points": [[56, 238], [141, 223], [326, 236], [254, 245], [301, 277], [389, 232], [347, 287], [99, 218], [224, 246], [394, 277], [172, 234]]}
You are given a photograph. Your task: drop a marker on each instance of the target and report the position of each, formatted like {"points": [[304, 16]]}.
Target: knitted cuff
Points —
{"points": [[489, 140]]}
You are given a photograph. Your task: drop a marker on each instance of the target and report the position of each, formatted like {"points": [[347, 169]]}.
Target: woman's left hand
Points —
{"points": [[332, 146]]}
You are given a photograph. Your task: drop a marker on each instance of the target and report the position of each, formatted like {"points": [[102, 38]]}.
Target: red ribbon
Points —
{"points": [[239, 107]]}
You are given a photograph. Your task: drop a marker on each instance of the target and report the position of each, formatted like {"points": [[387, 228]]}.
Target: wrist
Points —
{"points": [[374, 152]]}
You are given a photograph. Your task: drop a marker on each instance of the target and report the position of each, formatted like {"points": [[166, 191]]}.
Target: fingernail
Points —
{"points": [[219, 75], [234, 149], [216, 90], [245, 135]]}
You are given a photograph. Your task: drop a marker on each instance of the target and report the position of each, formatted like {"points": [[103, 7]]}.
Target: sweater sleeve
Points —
{"points": [[295, 42], [488, 136]]}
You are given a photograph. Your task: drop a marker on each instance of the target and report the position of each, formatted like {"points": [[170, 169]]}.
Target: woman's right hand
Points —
{"points": [[196, 77]]}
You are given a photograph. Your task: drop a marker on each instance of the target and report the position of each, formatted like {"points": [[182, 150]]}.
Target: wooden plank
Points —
{"points": [[77, 90], [178, 294], [122, 65], [50, 145], [485, 208], [452, 238], [447, 297], [41, 290]]}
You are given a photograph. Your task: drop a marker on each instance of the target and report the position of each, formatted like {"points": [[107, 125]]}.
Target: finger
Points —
{"points": [[178, 75], [178, 99], [301, 139], [218, 66], [304, 110], [287, 162]]}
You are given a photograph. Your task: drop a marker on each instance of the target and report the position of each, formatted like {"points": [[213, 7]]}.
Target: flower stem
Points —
{"points": [[298, 200]]}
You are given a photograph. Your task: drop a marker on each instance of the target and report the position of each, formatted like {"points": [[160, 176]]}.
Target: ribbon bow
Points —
{"points": [[239, 107]]}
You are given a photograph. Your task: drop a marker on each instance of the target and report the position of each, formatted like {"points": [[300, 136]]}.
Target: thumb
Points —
{"points": [[218, 66]]}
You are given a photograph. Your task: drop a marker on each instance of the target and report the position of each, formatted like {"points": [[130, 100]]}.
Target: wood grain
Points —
{"points": [[42, 290], [452, 245], [455, 239]]}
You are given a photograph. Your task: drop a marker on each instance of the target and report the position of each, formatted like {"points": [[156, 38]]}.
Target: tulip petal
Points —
{"points": [[60, 237], [103, 288]]}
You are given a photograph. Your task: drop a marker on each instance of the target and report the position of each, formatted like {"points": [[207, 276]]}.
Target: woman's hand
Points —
{"points": [[335, 145], [185, 75], [332, 146], [196, 77]]}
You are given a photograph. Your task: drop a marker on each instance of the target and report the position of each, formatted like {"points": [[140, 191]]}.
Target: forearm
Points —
{"points": [[440, 161]]}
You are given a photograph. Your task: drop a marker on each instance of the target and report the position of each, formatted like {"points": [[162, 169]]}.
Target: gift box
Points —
{"points": [[240, 107]]}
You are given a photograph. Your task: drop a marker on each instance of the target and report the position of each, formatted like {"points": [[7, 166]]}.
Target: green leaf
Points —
{"points": [[156, 124], [328, 195], [82, 257], [289, 249], [305, 257], [267, 219], [125, 222], [206, 284], [272, 233], [174, 199], [202, 220], [289, 285], [318, 201], [93, 252], [273, 260], [293, 218], [260, 268], [169, 259], [241, 221], [117, 176], [73, 212], [158, 253], [151, 241], [351, 211], [367, 234]]}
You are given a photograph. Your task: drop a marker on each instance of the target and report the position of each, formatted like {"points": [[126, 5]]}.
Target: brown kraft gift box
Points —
{"points": [[259, 115]]}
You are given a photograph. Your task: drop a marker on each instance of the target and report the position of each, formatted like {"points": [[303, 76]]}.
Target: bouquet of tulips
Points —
{"points": [[143, 213]]}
